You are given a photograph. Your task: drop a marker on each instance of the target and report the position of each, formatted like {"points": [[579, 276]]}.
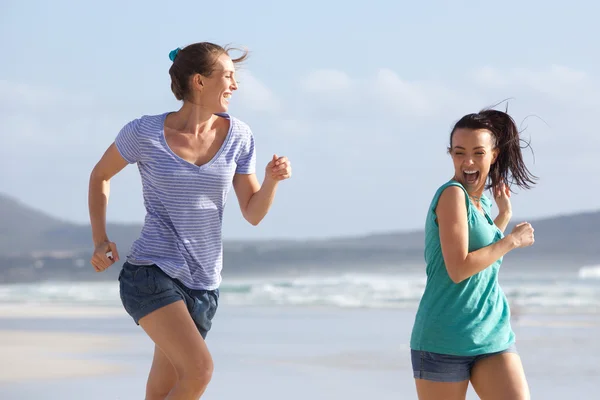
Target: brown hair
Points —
{"points": [[198, 58], [509, 167]]}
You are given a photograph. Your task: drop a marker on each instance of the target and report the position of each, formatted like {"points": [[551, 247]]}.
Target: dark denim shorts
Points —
{"points": [[146, 288], [446, 368]]}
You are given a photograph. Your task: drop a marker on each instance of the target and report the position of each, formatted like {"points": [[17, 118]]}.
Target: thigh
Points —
{"points": [[162, 377], [501, 377], [175, 333], [430, 390]]}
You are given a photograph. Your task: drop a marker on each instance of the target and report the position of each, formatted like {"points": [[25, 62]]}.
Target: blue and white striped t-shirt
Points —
{"points": [[184, 202]]}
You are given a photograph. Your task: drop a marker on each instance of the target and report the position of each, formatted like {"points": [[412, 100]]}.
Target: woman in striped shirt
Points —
{"points": [[187, 160]]}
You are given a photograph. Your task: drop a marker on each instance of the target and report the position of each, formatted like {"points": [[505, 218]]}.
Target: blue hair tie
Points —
{"points": [[174, 53]]}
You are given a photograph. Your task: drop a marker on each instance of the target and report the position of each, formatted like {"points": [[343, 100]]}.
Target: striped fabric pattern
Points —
{"points": [[184, 202]]}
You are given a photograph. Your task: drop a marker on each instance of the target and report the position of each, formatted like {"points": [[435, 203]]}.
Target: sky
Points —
{"points": [[359, 96]]}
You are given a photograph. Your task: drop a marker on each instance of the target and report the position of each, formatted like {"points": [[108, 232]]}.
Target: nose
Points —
{"points": [[234, 84]]}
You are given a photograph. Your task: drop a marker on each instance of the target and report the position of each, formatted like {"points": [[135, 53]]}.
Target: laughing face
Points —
{"points": [[473, 153], [216, 89]]}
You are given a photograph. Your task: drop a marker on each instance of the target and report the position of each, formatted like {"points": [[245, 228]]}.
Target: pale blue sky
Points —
{"points": [[360, 97]]}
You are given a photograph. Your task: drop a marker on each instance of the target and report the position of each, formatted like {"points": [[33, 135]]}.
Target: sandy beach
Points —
{"points": [[270, 353], [30, 356]]}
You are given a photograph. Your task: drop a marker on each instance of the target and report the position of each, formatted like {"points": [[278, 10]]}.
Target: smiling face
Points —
{"points": [[473, 153], [214, 91]]}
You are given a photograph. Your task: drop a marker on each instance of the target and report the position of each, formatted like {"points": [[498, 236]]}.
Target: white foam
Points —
{"points": [[78, 293], [350, 290], [591, 272]]}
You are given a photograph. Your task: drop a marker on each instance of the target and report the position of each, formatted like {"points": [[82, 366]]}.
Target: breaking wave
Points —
{"points": [[577, 293]]}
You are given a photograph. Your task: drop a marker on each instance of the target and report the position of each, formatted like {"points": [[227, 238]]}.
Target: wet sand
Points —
{"points": [[271, 353]]}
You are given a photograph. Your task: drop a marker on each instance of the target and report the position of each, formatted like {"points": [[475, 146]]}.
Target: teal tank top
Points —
{"points": [[473, 316]]}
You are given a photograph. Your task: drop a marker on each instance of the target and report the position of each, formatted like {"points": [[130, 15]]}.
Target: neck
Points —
{"points": [[475, 194], [193, 118]]}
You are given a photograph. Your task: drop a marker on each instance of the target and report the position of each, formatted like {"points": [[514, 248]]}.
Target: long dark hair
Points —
{"points": [[509, 166]]}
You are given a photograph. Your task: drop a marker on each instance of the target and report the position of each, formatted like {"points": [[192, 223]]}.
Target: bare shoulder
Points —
{"points": [[451, 203], [452, 194]]}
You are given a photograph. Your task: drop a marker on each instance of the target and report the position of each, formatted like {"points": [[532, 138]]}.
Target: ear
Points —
{"points": [[197, 82], [495, 154]]}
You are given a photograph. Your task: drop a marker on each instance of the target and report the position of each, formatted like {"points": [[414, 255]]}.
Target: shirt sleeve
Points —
{"points": [[128, 142], [246, 162]]}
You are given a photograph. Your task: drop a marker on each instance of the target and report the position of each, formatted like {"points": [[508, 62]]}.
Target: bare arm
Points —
{"points": [[454, 237], [502, 220], [109, 165], [502, 197], [255, 200]]}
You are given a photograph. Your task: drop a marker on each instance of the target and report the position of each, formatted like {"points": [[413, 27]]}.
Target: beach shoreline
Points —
{"points": [[59, 352], [30, 355]]}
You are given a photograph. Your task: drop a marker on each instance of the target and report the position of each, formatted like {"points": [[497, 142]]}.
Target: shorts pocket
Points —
{"points": [[144, 281]]}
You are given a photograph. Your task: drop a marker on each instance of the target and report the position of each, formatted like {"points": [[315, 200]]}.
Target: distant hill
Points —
{"points": [[35, 246], [24, 230]]}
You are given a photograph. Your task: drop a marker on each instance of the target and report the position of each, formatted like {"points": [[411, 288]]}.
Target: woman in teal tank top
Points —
{"points": [[462, 330]]}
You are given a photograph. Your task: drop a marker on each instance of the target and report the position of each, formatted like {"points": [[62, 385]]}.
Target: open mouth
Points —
{"points": [[471, 176], [227, 96]]}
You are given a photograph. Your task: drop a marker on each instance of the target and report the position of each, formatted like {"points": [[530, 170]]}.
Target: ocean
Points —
{"points": [[553, 291], [317, 336]]}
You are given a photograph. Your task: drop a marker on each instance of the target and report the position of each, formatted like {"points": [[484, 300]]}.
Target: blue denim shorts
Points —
{"points": [[146, 288], [447, 368]]}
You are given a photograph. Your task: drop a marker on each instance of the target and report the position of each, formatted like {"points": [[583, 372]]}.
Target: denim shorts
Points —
{"points": [[447, 368], [146, 288]]}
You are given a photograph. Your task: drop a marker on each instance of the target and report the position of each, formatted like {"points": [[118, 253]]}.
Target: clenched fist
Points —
{"points": [[278, 169], [523, 234], [101, 258]]}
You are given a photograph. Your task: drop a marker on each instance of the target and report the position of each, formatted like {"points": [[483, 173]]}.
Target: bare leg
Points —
{"points": [[500, 377], [173, 331], [429, 390], [162, 377]]}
